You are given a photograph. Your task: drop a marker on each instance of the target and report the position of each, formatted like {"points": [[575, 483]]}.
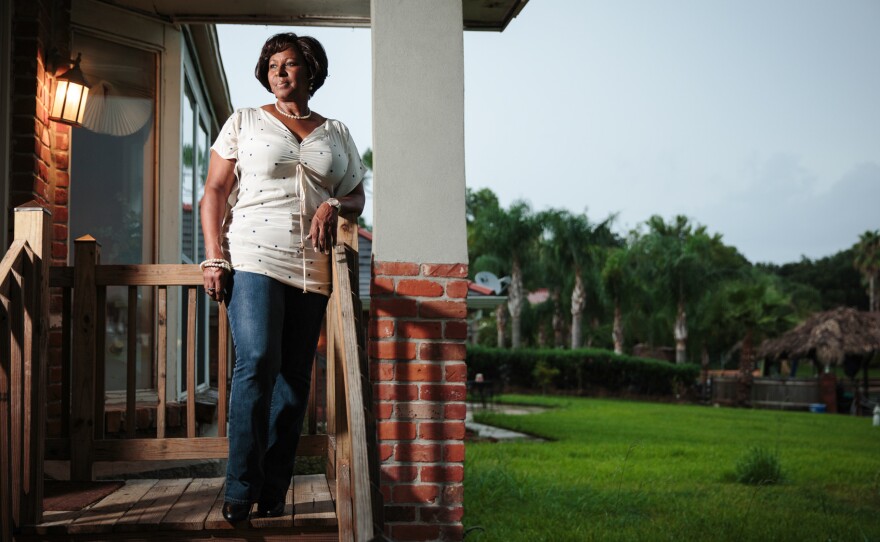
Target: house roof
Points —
{"points": [[478, 297], [828, 337], [538, 296], [478, 14], [480, 289], [206, 46]]}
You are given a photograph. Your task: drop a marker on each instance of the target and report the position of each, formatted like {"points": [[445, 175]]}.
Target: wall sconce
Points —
{"points": [[71, 93]]}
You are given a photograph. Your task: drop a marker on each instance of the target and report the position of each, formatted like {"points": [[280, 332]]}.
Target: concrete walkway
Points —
{"points": [[484, 431]]}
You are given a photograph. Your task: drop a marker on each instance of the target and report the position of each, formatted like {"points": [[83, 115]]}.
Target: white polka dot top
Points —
{"points": [[280, 184]]}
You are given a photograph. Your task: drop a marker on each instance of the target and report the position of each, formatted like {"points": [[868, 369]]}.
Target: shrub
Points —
{"points": [[759, 466], [576, 370], [544, 375]]}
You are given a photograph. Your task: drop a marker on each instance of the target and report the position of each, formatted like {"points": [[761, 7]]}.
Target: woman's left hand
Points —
{"points": [[323, 230]]}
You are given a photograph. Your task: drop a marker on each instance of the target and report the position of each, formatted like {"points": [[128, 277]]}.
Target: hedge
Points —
{"points": [[580, 369]]}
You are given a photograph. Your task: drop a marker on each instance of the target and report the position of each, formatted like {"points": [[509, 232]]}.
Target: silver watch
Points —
{"points": [[333, 202]]}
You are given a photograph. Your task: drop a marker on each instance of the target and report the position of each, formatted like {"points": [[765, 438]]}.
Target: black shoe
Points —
{"points": [[235, 512], [270, 511]]}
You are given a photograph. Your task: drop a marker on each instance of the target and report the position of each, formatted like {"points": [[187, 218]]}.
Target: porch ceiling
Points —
{"points": [[478, 14]]}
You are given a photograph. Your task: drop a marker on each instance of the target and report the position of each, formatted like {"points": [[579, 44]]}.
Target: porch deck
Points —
{"points": [[185, 509]]}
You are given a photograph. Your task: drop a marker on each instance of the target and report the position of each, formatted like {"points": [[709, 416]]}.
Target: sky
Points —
{"points": [[757, 119]]}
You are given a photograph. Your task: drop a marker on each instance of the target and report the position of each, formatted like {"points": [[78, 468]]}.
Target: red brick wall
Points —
{"points": [[40, 148], [417, 350]]}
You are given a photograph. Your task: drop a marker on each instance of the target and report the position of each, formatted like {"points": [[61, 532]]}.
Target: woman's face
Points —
{"points": [[288, 74]]}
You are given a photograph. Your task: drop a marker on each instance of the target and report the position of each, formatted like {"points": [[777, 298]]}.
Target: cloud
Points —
{"points": [[783, 210]]}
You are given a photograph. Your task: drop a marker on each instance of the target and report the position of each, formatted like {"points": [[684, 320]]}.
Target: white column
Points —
{"points": [[418, 131]]}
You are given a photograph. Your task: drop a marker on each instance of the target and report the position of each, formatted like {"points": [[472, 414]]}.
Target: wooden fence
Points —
{"points": [[791, 393]]}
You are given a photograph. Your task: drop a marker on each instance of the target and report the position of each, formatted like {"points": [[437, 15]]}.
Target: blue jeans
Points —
{"points": [[275, 329]]}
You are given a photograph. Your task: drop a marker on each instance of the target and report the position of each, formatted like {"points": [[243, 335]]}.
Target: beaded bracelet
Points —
{"points": [[216, 262], [225, 267]]}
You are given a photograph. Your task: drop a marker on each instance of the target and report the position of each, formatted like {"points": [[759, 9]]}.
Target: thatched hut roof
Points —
{"points": [[828, 337]]}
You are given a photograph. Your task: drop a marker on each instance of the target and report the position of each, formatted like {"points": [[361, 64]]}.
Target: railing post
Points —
{"points": [[341, 430], [349, 406], [33, 223], [10, 386], [352, 447], [87, 254], [346, 235]]}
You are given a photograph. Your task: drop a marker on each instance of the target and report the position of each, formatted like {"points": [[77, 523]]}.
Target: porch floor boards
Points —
{"points": [[188, 509]]}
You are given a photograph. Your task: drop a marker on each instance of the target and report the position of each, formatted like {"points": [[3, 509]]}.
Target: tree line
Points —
{"points": [[666, 284]]}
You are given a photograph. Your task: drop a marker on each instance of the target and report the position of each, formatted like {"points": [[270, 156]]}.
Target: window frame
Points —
{"points": [[192, 96]]}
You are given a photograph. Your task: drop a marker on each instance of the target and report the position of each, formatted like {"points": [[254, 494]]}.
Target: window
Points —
{"points": [[194, 160], [195, 149], [112, 184]]}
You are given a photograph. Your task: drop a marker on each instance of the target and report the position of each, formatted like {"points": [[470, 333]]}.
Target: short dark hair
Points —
{"points": [[310, 49]]}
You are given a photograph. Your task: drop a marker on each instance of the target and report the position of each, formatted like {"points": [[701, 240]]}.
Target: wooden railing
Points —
{"points": [[83, 440], [23, 347], [353, 457], [350, 462]]}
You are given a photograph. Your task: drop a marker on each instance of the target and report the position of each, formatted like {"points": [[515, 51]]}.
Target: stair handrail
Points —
{"points": [[358, 502], [23, 356]]}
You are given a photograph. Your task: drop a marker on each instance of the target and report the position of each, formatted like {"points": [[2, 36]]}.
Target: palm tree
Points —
{"points": [[867, 261], [576, 249], [517, 231], [671, 268], [680, 262], [501, 325], [752, 306], [618, 281], [588, 245], [554, 261], [508, 235]]}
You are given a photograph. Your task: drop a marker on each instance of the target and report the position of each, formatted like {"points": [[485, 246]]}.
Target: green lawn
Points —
{"points": [[873, 372], [620, 470]]}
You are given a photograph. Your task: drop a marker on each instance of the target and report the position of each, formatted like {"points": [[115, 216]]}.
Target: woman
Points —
{"points": [[288, 172]]}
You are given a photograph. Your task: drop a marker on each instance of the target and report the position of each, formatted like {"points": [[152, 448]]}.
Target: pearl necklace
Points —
{"points": [[294, 117]]}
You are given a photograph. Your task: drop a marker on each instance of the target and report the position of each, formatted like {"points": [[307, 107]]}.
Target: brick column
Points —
{"points": [[417, 347], [40, 149]]}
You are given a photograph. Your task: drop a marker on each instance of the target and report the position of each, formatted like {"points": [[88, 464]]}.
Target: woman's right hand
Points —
{"points": [[214, 279]]}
